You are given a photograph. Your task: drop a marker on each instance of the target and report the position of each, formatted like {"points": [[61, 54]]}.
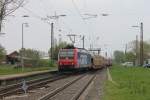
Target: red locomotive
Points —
{"points": [[71, 59]]}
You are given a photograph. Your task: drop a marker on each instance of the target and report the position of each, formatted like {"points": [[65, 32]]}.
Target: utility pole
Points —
{"points": [[126, 46], [141, 44], [22, 49], [83, 40], [60, 38], [52, 39], [137, 59], [106, 54], [22, 44], [91, 46], [125, 52]]}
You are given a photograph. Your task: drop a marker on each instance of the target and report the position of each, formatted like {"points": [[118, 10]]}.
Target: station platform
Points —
{"points": [[21, 75]]}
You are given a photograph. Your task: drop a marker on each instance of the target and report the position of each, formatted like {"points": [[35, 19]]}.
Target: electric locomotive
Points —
{"points": [[74, 58]]}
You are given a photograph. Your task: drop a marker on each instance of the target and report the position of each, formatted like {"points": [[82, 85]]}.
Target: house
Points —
{"points": [[12, 58]]}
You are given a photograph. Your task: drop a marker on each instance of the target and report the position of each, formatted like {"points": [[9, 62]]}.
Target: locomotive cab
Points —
{"points": [[67, 59]]}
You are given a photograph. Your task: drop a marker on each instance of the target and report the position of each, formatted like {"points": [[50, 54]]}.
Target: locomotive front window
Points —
{"points": [[66, 54]]}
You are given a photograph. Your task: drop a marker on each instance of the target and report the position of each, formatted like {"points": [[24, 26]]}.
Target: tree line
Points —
{"points": [[35, 57], [132, 53]]}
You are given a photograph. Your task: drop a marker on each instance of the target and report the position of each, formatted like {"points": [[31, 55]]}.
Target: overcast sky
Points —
{"points": [[109, 33]]}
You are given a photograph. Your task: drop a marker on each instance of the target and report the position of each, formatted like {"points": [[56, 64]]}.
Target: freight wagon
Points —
{"points": [[98, 62]]}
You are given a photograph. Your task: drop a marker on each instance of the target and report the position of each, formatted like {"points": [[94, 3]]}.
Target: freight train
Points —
{"points": [[79, 58]]}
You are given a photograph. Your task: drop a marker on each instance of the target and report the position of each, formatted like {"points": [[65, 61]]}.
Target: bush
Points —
{"points": [[43, 63], [52, 63], [2, 54], [46, 63]]}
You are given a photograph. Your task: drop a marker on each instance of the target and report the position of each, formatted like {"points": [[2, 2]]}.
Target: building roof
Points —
{"points": [[13, 54]]}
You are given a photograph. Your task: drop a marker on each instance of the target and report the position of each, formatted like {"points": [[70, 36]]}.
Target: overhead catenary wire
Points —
{"points": [[81, 16], [36, 15], [43, 5], [42, 18], [48, 20], [77, 9], [56, 21]]}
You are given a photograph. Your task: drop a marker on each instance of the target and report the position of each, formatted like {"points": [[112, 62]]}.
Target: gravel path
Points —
{"points": [[71, 91], [39, 92], [95, 91]]}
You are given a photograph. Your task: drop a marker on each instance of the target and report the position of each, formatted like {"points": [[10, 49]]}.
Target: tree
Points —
{"points": [[2, 53], [7, 7], [146, 47], [130, 57], [31, 56], [56, 49], [133, 52], [119, 56]]}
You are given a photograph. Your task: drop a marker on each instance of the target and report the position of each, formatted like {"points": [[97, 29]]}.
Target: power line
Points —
{"points": [[42, 4], [79, 13], [36, 15], [77, 9], [45, 6], [65, 24]]}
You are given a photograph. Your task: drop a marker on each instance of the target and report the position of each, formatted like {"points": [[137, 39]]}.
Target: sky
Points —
{"points": [[110, 32]]}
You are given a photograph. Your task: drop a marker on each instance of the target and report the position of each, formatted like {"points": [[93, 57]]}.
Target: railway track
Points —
{"points": [[71, 90], [17, 88]]}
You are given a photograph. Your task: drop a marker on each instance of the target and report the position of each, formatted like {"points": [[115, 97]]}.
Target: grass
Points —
{"points": [[9, 70], [133, 84]]}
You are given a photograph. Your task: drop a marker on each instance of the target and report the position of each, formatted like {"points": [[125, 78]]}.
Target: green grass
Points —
{"points": [[133, 84], [8, 70]]}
